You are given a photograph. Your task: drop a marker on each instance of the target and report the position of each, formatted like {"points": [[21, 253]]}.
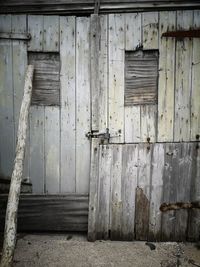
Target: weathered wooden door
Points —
{"points": [[141, 166], [57, 160]]}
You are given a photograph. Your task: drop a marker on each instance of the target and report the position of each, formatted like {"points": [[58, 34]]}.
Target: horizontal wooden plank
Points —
{"points": [[49, 212], [15, 36], [87, 6]]}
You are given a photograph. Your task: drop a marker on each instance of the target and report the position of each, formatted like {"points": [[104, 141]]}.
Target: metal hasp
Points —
{"points": [[182, 34], [96, 134]]}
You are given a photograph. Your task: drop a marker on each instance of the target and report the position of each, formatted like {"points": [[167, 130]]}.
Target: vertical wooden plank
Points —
{"points": [[82, 104], [157, 166], [129, 184], [143, 191], [132, 124], [169, 192], [183, 79], [148, 122], [150, 30], [194, 214], [94, 69], [116, 77], [93, 192], [183, 184], [7, 143], [37, 118], [166, 81], [19, 51], [104, 198], [51, 34], [52, 150], [52, 114], [195, 93], [68, 102], [37, 161], [35, 28], [103, 74], [116, 196], [133, 39]]}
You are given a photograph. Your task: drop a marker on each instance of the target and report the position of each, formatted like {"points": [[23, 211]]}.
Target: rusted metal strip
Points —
{"points": [[183, 34], [179, 205], [15, 36]]}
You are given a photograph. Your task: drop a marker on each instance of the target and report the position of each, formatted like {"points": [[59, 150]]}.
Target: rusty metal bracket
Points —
{"points": [[182, 34], [96, 134]]}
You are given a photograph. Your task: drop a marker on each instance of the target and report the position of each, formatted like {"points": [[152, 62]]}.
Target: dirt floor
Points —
{"points": [[74, 251]]}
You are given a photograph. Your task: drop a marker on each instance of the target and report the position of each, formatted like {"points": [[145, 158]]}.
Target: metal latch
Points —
{"points": [[96, 134]]}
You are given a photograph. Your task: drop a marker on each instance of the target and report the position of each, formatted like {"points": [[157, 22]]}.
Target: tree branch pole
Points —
{"points": [[15, 186]]}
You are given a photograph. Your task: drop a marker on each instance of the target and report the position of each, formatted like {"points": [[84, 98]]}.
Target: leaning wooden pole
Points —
{"points": [[15, 186]]}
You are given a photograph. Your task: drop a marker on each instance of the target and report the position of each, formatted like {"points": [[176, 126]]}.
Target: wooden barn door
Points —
{"points": [[57, 163]]}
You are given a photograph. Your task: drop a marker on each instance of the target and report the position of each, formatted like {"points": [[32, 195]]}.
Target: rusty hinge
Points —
{"points": [[97, 134]]}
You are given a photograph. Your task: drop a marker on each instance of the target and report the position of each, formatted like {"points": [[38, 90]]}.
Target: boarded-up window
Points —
{"points": [[46, 80], [141, 77]]}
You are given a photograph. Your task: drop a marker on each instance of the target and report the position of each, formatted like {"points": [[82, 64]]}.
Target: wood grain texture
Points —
{"points": [[128, 189], [133, 37], [52, 150], [94, 69], [7, 138], [132, 124], [104, 194], [68, 105], [51, 34], [143, 193], [166, 83], [148, 123], [103, 74], [150, 30], [195, 92], [36, 30], [116, 193], [46, 82], [37, 159], [183, 79], [93, 191], [157, 168], [83, 120], [116, 77], [50, 213], [141, 78]]}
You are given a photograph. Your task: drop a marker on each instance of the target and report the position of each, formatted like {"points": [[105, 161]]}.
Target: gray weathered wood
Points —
{"points": [[83, 111], [157, 166], [143, 193], [141, 78], [150, 30], [94, 68], [38, 213], [195, 92], [51, 34], [16, 179], [7, 141], [46, 81], [183, 79], [93, 191], [68, 105], [116, 193], [128, 189], [116, 77], [35, 28], [15, 36], [166, 83]]}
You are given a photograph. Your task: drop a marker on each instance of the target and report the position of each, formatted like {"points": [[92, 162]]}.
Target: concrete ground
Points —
{"points": [[72, 250]]}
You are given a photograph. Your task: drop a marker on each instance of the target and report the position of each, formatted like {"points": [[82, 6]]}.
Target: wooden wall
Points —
{"points": [[134, 180], [58, 152]]}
